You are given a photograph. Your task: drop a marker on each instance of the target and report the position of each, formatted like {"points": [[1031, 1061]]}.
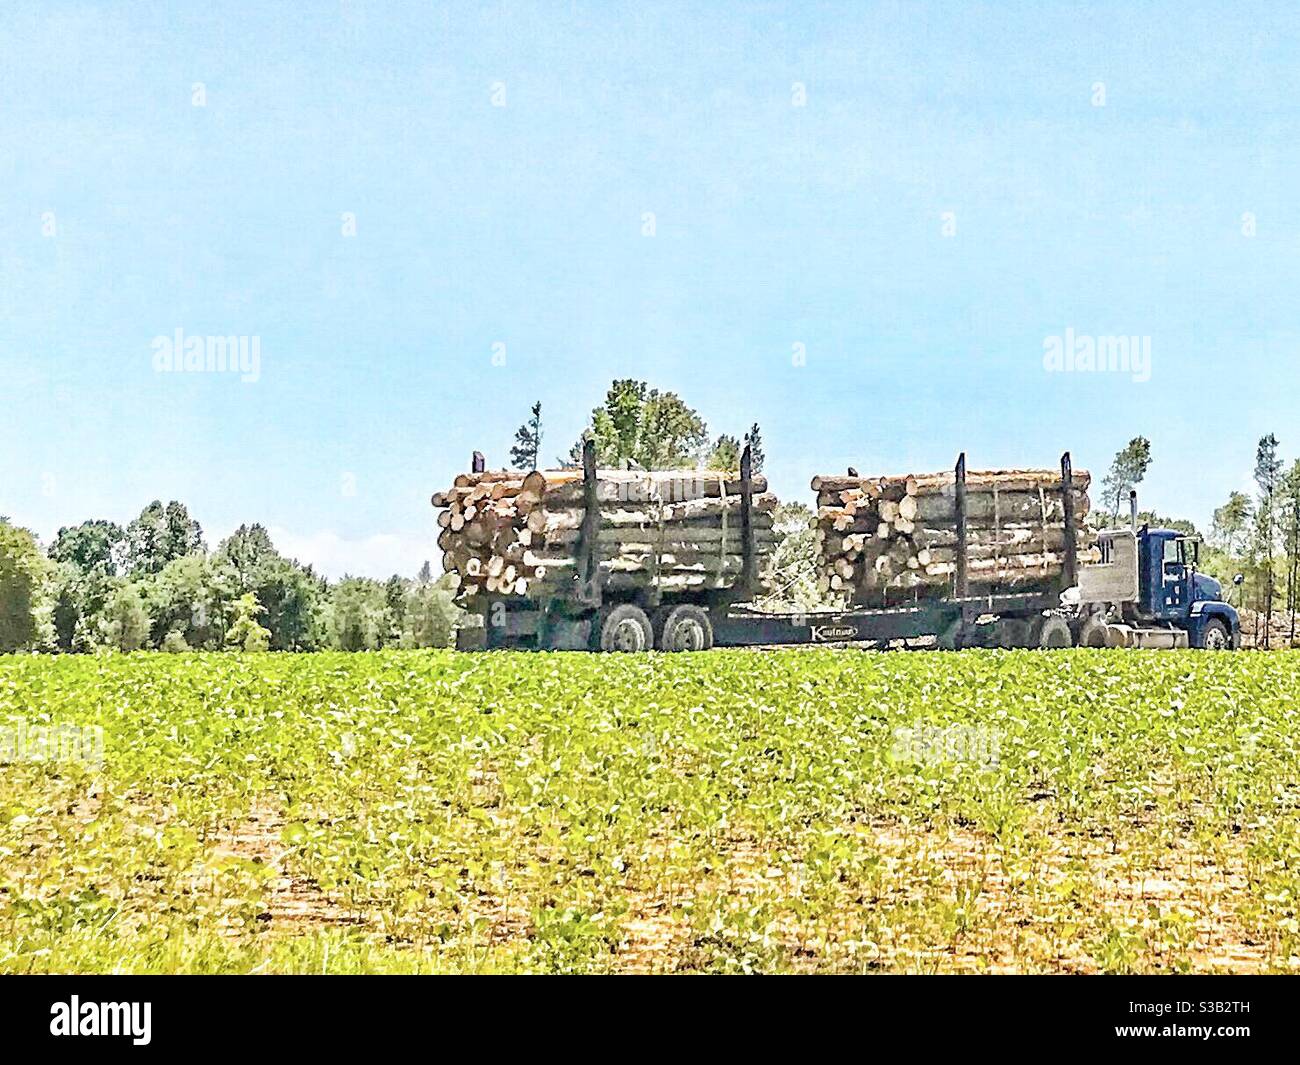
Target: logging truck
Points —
{"points": [[1136, 588]]}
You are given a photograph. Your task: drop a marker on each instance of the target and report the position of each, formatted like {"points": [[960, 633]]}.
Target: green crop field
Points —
{"points": [[1075, 811]]}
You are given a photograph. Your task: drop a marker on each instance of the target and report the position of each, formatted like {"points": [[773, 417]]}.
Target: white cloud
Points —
{"points": [[377, 556]]}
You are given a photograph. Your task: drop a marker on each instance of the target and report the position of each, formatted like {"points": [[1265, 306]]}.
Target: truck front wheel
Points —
{"points": [[1092, 633], [1215, 636]]}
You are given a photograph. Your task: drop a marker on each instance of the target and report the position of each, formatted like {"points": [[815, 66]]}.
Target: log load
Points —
{"points": [[887, 540], [512, 533]]}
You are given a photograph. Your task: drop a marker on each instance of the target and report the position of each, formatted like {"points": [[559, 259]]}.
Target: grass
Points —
{"points": [[733, 811]]}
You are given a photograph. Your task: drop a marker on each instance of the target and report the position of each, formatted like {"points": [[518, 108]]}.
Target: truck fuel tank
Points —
{"points": [[1131, 636]]}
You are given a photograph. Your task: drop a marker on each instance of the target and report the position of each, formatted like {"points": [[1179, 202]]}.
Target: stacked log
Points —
{"points": [[511, 533], [883, 540]]}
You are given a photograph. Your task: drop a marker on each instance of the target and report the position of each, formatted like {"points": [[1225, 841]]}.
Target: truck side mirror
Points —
{"points": [[1239, 579]]}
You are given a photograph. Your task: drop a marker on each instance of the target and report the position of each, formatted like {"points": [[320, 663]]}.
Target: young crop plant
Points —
{"points": [[732, 811]]}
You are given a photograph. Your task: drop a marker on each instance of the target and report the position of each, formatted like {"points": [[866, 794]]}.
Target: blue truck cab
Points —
{"points": [[1171, 590], [1145, 591]]}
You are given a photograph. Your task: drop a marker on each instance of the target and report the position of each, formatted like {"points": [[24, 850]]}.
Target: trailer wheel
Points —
{"points": [[625, 627], [1216, 637], [1092, 633], [686, 628], [1012, 633], [1050, 632]]}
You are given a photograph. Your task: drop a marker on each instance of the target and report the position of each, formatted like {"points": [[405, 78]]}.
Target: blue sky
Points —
{"points": [[943, 196]]}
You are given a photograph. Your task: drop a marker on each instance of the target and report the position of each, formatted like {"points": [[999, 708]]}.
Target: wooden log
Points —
{"points": [[472, 480], [829, 483], [1013, 480], [618, 580], [630, 486], [699, 511], [634, 558], [672, 535], [1008, 506], [1010, 537]]}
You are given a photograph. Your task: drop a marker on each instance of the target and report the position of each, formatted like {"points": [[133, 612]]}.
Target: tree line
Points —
{"points": [[155, 586]]}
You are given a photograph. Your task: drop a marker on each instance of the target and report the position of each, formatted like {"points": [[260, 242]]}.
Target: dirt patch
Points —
{"points": [[290, 901], [946, 900]]}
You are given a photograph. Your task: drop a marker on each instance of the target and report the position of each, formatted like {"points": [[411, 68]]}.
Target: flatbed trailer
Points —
{"points": [[591, 617], [951, 622]]}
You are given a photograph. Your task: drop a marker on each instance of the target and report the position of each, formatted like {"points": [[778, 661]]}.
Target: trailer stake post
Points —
{"points": [[748, 578], [1067, 507], [960, 482], [589, 591], [477, 463]]}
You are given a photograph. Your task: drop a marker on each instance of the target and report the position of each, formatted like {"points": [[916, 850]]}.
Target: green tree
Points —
{"points": [[359, 615], [92, 545], [640, 425], [1126, 472], [244, 632], [725, 454], [528, 440], [246, 551], [160, 535], [754, 440], [191, 596], [1268, 471], [23, 571], [395, 605], [1231, 523], [125, 622], [295, 598], [291, 595], [431, 615], [87, 558], [1290, 491], [78, 600]]}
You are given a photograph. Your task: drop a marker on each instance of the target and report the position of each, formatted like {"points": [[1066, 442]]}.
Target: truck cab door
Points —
{"points": [[1174, 593]]}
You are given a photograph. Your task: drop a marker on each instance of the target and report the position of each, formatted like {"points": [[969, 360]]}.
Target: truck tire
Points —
{"points": [[1092, 633], [1215, 636], [1013, 633], [625, 627], [1051, 633], [686, 628]]}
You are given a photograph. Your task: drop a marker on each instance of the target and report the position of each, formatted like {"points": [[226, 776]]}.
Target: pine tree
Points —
{"points": [[1291, 537], [528, 440], [754, 440], [1268, 468], [1126, 472]]}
